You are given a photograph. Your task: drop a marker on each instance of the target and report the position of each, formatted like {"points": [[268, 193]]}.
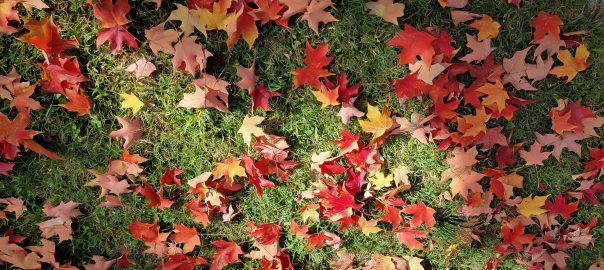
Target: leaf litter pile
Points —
{"points": [[350, 188]]}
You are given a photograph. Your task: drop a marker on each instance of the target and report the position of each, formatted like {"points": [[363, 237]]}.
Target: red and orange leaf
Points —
{"points": [[414, 43]]}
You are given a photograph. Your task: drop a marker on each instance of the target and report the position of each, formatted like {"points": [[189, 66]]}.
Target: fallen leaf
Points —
{"points": [[131, 101], [386, 9]]}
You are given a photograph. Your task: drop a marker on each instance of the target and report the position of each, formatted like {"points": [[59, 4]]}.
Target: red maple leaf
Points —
{"points": [[254, 175], [260, 98], [44, 34], [421, 214], [61, 73], [413, 43], [559, 207], [155, 198], [170, 176], [316, 60], [113, 21], [513, 234], [147, 232], [227, 253], [546, 24], [317, 240], [187, 236], [408, 237], [266, 234]]}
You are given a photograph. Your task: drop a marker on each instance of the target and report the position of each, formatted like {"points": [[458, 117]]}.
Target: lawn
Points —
{"points": [[195, 140]]}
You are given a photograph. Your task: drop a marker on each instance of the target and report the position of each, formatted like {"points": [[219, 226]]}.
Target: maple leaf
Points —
{"points": [[473, 125], [571, 65], [218, 18], [546, 24], [78, 103], [315, 14], [44, 34], [113, 21], [22, 100], [413, 43], [559, 207], [409, 237], [344, 261], [170, 176], [248, 78], [61, 221], [13, 205], [421, 214], [317, 240], [250, 127], [416, 125], [60, 73], [480, 50], [378, 122], [532, 206], [487, 28], [188, 236], [155, 198], [189, 19], [227, 253], [268, 252], [210, 92], [268, 10], [100, 263], [348, 111], [560, 142], [130, 131], [534, 156], [293, 7], [368, 227], [309, 211], [327, 97], [514, 234], [260, 98], [141, 68], [266, 234], [460, 16], [496, 95], [161, 39], [229, 168], [244, 26], [380, 181], [315, 60], [386, 9], [189, 55], [131, 101], [461, 183], [516, 71]]}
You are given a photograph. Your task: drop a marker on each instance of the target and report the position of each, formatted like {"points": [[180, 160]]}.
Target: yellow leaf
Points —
{"points": [[496, 95], [378, 122], [229, 168], [326, 96], [380, 181], [131, 101], [368, 227], [310, 212], [571, 65], [414, 263], [189, 20], [217, 19], [249, 127], [532, 206]]}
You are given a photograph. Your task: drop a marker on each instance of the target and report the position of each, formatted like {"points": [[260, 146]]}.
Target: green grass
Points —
{"points": [[194, 140]]}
